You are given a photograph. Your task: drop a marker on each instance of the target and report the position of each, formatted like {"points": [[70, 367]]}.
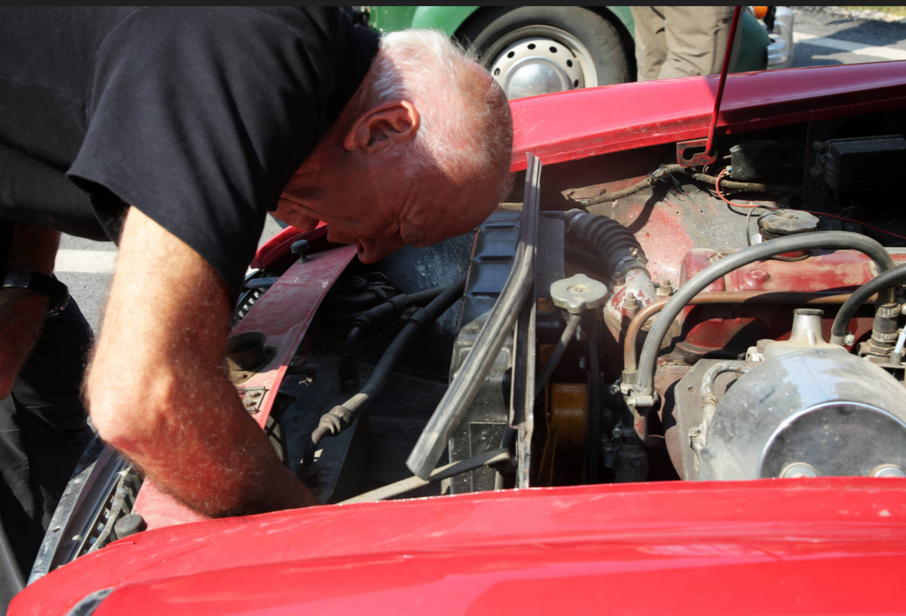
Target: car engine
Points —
{"points": [[628, 317]]}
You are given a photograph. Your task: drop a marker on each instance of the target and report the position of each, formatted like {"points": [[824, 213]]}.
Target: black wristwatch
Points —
{"points": [[33, 281]]}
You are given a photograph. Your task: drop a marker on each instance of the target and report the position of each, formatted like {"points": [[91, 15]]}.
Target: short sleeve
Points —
{"points": [[199, 117]]}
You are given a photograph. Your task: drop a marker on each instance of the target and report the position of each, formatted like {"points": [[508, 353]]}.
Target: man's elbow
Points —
{"points": [[126, 417]]}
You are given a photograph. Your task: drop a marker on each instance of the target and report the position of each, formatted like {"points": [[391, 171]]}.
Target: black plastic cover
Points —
{"points": [[754, 160], [873, 163]]}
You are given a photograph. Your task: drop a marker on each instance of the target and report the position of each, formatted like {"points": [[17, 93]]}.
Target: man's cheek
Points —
{"points": [[338, 237], [305, 223]]}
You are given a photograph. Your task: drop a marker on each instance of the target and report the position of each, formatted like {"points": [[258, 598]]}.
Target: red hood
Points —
{"points": [[571, 125], [793, 546]]}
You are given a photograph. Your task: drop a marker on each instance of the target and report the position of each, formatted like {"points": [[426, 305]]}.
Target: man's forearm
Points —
{"points": [[157, 388], [190, 433]]}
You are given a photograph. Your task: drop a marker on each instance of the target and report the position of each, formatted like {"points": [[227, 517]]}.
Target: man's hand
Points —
{"points": [[22, 311], [157, 388]]}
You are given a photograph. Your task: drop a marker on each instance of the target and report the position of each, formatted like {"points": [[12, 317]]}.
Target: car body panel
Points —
{"points": [[593, 121], [448, 19], [740, 547]]}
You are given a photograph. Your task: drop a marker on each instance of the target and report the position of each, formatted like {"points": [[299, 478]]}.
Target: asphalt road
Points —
{"points": [[820, 39]]}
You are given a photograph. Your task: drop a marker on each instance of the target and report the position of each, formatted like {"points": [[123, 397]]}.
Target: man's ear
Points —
{"points": [[383, 127]]}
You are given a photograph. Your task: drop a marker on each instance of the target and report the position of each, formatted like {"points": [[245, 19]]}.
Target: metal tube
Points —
{"points": [[568, 332], [489, 458], [723, 79], [722, 297], [462, 390], [643, 388], [883, 282], [707, 389]]}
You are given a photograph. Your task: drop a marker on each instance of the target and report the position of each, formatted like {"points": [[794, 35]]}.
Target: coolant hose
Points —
{"points": [[845, 314], [341, 416], [641, 384]]}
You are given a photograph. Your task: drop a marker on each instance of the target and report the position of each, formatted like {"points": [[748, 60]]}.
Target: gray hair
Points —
{"points": [[466, 127]]}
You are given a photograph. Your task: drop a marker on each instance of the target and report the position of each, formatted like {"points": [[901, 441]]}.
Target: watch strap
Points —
{"points": [[33, 281]]}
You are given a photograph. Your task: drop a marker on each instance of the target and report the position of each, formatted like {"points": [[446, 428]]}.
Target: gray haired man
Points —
{"points": [[174, 132]]}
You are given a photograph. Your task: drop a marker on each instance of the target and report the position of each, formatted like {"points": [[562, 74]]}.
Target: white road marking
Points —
{"points": [[886, 53], [85, 261]]}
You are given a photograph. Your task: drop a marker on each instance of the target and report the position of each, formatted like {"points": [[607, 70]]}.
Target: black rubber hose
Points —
{"points": [[371, 320], [341, 416], [609, 241], [644, 380], [859, 297]]}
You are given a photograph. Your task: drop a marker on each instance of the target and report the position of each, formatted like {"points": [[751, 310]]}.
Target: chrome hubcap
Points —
{"points": [[539, 64]]}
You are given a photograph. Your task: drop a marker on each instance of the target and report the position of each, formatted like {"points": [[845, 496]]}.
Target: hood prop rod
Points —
{"points": [[709, 147]]}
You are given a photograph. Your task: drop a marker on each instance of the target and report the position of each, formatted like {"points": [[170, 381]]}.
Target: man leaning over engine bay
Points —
{"points": [[175, 131]]}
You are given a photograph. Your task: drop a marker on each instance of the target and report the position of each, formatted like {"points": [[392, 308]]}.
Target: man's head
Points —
{"points": [[419, 154]]}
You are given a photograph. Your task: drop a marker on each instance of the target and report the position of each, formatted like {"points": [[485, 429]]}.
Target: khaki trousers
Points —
{"points": [[681, 41]]}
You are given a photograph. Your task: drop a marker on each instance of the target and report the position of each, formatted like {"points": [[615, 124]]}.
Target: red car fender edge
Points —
{"points": [[797, 546], [558, 127]]}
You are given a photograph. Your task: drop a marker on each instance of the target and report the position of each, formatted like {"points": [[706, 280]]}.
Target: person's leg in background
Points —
{"points": [[650, 42], [696, 39]]}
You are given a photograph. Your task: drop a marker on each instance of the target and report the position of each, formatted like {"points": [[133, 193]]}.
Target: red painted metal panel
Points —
{"points": [[735, 547], [283, 315], [710, 328], [570, 125], [280, 244]]}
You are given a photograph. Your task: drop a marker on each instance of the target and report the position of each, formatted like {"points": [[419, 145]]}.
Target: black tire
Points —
{"points": [[493, 30]]}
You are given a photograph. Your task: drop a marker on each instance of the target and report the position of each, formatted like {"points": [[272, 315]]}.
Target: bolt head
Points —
{"points": [[798, 469], [888, 470]]}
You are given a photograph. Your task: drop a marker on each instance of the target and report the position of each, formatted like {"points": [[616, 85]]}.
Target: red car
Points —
{"points": [[672, 382]]}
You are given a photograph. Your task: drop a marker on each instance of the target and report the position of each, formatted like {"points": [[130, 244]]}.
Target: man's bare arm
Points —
{"points": [[157, 387], [21, 310]]}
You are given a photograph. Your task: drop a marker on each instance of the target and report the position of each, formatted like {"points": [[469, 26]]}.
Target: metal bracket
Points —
{"points": [[693, 153], [252, 397]]}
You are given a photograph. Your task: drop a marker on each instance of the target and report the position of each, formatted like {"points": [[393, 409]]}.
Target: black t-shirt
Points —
{"points": [[196, 116]]}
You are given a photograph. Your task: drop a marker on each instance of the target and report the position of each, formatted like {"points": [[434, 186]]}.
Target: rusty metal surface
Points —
{"points": [[630, 356], [710, 329], [283, 315], [674, 217]]}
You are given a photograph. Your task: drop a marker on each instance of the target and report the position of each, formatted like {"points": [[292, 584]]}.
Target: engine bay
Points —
{"points": [[746, 377], [628, 317]]}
